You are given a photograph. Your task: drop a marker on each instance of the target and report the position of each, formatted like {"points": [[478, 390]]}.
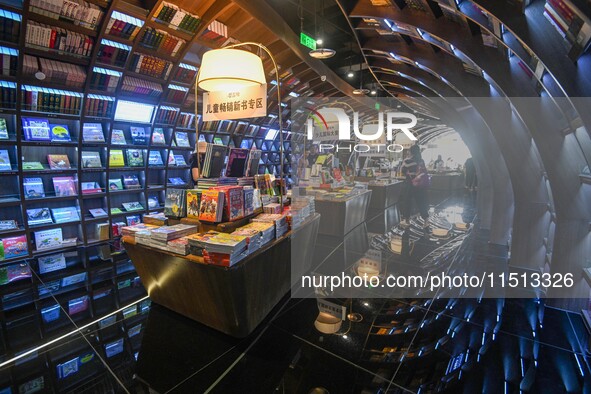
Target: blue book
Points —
{"points": [[5, 161], [60, 132], [35, 129], [34, 188]]}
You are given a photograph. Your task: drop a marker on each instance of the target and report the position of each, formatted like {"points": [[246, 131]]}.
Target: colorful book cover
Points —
{"points": [[36, 129], [51, 263], [182, 139], [65, 215], [49, 314], [138, 135], [97, 212], [38, 216], [77, 305], [135, 157], [211, 206], [131, 182], [132, 206], [171, 160], [48, 239], [234, 204], [193, 197], [32, 165], [64, 186], [118, 137], [14, 272], [90, 187], [174, 204], [67, 368], [180, 160], [8, 225], [155, 159], [3, 129], [116, 158], [91, 160], [60, 132], [158, 136], [93, 132], [176, 181], [5, 161], [133, 220], [115, 184], [115, 211], [15, 247], [73, 279], [248, 201], [58, 162]]}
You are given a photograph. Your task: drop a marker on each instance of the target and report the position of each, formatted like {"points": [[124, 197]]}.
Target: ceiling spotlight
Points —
{"points": [[322, 53], [360, 91], [350, 74], [373, 92], [319, 41]]}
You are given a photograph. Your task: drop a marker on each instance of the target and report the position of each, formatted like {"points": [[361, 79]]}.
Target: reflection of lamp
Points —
{"points": [[327, 323], [228, 69], [368, 268]]}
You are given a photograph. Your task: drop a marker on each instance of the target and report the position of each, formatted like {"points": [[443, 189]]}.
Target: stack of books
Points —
{"points": [[139, 86], [130, 231], [58, 39], [158, 219], [113, 53], [267, 230], [567, 19], [162, 42], [280, 222], [225, 249], [179, 246], [177, 18], [253, 238], [150, 66], [124, 26], [167, 233], [56, 72], [272, 208], [97, 105], [197, 242], [50, 100]]}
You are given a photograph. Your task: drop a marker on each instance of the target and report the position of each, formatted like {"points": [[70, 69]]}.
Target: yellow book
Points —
{"points": [[116, 159]]}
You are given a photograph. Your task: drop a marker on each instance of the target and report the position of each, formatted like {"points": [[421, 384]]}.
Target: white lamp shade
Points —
{"points": [[327, 324], [230, 70]]}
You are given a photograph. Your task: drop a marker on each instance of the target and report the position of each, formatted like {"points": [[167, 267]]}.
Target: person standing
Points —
{"points": [[439, 164], [470, 178], [416, 184]]}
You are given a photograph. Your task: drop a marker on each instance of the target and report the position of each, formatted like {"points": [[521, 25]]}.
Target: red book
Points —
{"points": [[234, 202], [211, 207]]}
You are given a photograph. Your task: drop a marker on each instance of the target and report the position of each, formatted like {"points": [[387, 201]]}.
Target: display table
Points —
{"points": [[340, 216], [386, 195], [447, 181], [232, 300]]}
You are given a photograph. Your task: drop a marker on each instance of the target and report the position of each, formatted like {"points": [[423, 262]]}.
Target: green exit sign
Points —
{"points": [[307, 41]]}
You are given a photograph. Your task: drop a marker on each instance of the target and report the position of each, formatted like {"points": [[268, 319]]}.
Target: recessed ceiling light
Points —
{"points": [[373, 92], [322, 53], [360, 92], [350, 74], [319, 41]]}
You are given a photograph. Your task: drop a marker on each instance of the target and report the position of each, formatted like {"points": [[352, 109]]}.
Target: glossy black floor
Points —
{"points": [[475, 345]]}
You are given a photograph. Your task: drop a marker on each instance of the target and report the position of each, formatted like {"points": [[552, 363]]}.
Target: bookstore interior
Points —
{"points": [[182, 202]]}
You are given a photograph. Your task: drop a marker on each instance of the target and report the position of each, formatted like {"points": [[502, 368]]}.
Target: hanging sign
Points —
{"points": [[307, 41], [244, 103]]}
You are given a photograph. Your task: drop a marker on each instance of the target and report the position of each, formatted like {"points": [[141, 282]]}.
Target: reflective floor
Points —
{"points": [[102, 335]]}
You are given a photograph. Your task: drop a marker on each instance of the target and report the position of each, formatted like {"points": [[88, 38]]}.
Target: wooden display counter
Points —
{"points": [[339, 217], [232, 300], [384, 196]]}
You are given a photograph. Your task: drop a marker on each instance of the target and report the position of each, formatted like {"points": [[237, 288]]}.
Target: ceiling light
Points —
{"points": [[322, 53], [360, 91], [373, 92], [319, 41], [350, 74], [229, 70]]}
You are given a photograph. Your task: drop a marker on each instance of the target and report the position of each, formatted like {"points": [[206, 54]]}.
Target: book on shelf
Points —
{"points": [[59, 73], [166, 115], [162, 42], [153, 202], [171, 160], [13, 247], [135, 157], [248, 200], [131, 182], [78, 12], [177, 17], [116, 158], [50, 100], [115, 184], [90, 187], [11, 26], [91, 160], [65, 215], [99, 106], [118, 137], [185, 73], [254, 159], [155, 159], [179, 160], [132, 85], [124, 26], [36, 129], [97, 212], [158, 136], [115, 211], [60, 133], [216, 32], [138, 135], [72, 280], [64, 186], [176, 181], [48, 239], [32, 165], [3, 129], [104, 79], [175, 203], [211, 207], [93, 132], [182, 139], [133, 206], [5, 161], [133, 220], [186, 120], [58, 39], [150, 66], [51, 263], [213, 163], [113, 53], [38, 216], [8, 225], [58, 162]]}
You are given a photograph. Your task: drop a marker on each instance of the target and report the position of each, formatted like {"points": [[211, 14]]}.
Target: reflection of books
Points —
{"points": [[182, 139], [68, 368], [131, 182], [91, 160], [253, 162], [180, 160], [60, 132], [3, 129], [38, 216], [36, 129], [118, 138], [93, 132], [64, 215], [116, 158], [115, 184], [58, 162], [48, 239], [237, 161], [32, 165], [132, 206], [90, 187], [133, 220], [64, 186], [176, 181], [5, 161], [135, 158], [15, 247], [8, 225], [97, 212]]}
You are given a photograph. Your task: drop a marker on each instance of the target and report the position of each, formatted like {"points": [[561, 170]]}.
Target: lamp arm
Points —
{"points": [[279, 115]]}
